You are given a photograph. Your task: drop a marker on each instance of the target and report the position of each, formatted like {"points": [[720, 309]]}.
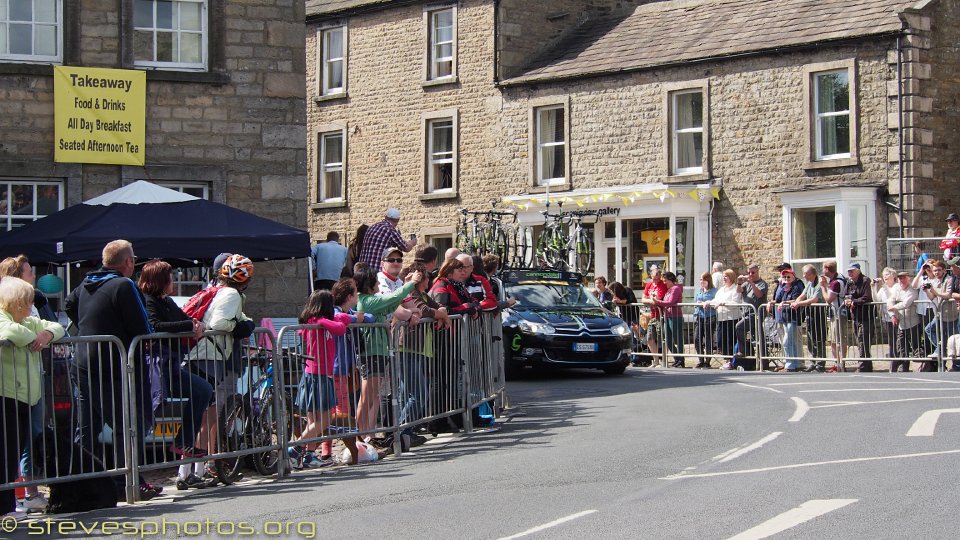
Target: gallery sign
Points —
{"points": [[99, 115]]}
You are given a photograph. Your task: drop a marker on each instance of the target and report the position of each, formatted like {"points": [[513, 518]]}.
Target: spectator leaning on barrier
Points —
{"points": [[940, 329], [883, 289], [655, 289], [213, 356], [834, 287], [329, 259], [672, 317], [857, 300], [902, 306], [382, 235], [926, 310], [754, 290], [391, 262], [108, 302], [816, 317], [954, 294], [782, 309], [727, 314], [491, 264], [705, 321], [21, 383]]}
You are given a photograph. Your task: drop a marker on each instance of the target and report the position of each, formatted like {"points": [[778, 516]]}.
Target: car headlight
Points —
{"points": [[621, 330], [528, 327]]}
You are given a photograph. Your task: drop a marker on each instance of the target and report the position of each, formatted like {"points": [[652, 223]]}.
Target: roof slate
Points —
{"points": [[324, 7], [675, 31]]}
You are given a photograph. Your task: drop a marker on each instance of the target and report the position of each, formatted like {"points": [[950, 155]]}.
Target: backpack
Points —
{"points": [[196, 307], [842, 310]]}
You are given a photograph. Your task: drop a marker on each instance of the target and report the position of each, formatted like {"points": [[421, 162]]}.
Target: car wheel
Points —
{"points": [[615, 370]]}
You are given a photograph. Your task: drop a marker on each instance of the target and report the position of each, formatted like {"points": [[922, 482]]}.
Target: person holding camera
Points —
{"points": [[939, 291], [902, 307], [754, 290]]}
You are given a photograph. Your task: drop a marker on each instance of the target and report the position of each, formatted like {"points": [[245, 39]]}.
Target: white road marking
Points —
{"points": [[682, 476], [914, 389], [927, 423], [912, 379], [830, 404], [791, 518], [760, 387], [725, 454], [802, 409], [747, 449], [554, 523], [827, 383]]}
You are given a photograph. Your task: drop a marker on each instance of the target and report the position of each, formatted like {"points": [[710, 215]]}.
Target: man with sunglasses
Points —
{"points": [[754, 290]]}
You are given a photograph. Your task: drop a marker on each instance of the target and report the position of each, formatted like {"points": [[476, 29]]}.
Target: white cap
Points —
{"points": [[393, 213]]}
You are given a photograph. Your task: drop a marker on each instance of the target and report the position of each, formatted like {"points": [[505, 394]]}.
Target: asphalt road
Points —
{"points": [[651, 454]]}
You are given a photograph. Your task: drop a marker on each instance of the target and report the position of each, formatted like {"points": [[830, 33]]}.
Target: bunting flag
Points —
{"points": [[662, 193]]}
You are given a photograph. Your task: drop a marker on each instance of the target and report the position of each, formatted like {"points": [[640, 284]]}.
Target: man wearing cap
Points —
{"points": [[946, 295], [903, 310], [951, 242], [858, 298], [388, 279], [382, 235]]}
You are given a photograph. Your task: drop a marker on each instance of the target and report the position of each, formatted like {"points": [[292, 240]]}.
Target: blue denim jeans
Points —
{"points": [[412, 390], [791, 345], [946, 330], [36, 428]]}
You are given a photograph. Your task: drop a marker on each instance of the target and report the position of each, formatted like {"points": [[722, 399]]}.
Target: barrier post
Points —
{"points": [[464, 362], [279, 406], [396, 374], [129, 422]]}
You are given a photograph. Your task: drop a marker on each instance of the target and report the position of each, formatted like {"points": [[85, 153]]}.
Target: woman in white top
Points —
{"points": [[727, 314], [883, 292]]}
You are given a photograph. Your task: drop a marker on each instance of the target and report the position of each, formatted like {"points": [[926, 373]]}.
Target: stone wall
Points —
{"points": [[240, 127], [757, 135]]}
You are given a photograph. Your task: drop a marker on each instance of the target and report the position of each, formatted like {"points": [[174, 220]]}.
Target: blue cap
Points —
{"points": [[854, 266]]}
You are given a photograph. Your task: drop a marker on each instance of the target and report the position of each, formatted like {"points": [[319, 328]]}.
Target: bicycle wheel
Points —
{"points": [[498, 243], [462, 241], [583, 252], [232, 437], [523, 247], [265, 433]]}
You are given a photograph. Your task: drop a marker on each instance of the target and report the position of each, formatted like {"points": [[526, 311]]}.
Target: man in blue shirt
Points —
{"points": [[328, 260]]}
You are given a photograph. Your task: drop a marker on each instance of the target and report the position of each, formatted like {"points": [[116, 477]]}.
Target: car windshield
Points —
{"points": [[551, 295]]}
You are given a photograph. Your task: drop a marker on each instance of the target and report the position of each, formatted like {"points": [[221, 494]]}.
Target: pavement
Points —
{"points": [[650, 454]]}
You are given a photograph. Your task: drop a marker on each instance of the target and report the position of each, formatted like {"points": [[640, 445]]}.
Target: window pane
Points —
{"points": [[445, 51], [835, 135], [164, 14], [689, 110], [190, 48], [45, 40], [21, 10], [833, 92], [551, 125], [190, 16], [23, 199], [164, 47], [46, 11], [442, 137], [48, 200], [553, 162], [3, 9], [21, 38], [333, 184], [814, 233], [143, 45], [332, 149], [334, 44], [143, 14], [335, 74], [443, 176], [689, 150], [857, 219], [196, 192], [444, 69], [3, 38]]}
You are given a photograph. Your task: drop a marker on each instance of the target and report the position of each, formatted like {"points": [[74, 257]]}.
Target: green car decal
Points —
{"points": [[515, 344]]}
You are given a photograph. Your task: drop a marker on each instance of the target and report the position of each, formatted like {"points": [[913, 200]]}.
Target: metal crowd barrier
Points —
{"points": [[680, 333], [72, 429]]}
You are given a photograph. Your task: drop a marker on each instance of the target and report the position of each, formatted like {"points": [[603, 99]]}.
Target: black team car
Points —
{"points": [[557, 323]]}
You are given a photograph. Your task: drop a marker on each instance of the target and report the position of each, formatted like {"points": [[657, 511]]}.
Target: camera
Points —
{"points": [[927, 286]]}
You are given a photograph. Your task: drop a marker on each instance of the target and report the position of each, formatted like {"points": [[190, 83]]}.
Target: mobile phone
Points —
{"points": [[413, 236]]}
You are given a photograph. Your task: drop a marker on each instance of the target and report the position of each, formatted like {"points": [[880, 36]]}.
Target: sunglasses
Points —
{"points": [[394, 260]]}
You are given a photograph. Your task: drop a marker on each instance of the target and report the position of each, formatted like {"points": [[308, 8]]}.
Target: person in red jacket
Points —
{"points": [[450, 291]]}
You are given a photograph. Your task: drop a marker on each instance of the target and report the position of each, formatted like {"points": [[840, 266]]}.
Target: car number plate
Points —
{"points": [[166, 429], [585, 347]]}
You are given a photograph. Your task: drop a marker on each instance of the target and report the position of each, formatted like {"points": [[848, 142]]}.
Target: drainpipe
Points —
{"points": [[900, 125], [496, 43]]}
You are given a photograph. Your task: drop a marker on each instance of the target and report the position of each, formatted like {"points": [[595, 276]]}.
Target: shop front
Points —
{"points": [[637, 227]]}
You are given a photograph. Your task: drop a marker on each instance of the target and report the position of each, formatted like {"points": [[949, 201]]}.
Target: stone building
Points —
{"points": [[725, 130], [225, 111]]}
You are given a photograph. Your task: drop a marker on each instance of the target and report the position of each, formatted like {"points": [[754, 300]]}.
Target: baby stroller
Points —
{"points": [[773, 342]]}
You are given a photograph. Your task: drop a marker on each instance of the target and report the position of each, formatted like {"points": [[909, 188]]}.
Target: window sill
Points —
{"points": [[831, 163], [445, 195], [687, 177], [330, 97], [553, 188], [8, 67], [202, 77], [328, 205], [440, 82]]}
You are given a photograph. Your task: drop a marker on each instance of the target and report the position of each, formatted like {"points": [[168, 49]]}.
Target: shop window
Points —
{"points": [[831, 224], [22, 201]]}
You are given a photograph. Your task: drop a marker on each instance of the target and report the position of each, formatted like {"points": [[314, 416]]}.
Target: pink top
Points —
{"points": [[670, 300], [321, 362]]}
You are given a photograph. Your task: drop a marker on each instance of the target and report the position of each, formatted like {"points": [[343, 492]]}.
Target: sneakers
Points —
{"points": [[16, 514], [37, 503], [727, 366], [311, 461], [147, 492], [188, 452], [191, 481]]}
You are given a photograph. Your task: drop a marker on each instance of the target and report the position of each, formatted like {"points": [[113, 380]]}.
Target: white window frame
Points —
{"points": [[182, 187], [33, 58], [431, 60], [842, 200], [814, 159], [324, 167], [204, 40], [676, 132], [541, 146], [7, 215], [432, 158], [818, 115], [325, 58]]}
